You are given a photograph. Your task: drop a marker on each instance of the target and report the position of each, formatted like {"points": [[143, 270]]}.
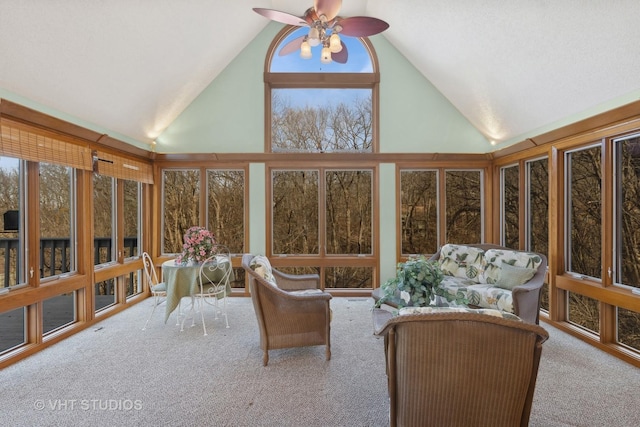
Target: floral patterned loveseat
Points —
{"points": [[495, 277]]}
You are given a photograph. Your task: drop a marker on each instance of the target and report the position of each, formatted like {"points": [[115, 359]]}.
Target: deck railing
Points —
{"points": [[55, 256]]}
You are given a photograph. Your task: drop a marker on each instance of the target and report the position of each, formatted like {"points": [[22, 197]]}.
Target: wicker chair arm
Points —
{"points": [[292, 282]]}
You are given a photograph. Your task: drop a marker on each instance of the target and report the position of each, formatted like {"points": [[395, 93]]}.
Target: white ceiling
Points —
{"points": [[510, 67]]}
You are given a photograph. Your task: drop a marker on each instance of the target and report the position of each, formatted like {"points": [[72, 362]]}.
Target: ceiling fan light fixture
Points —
{"points": [[305, 50], [325, 28], [325, 57], [334, 43], [314, 36]]}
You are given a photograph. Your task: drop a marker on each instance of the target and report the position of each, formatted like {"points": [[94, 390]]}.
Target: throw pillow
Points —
{"points": [[465, 262], [262, 266], [511, 276]]}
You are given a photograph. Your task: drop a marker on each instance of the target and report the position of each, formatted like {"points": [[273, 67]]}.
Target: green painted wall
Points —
{"points": [[228, 116], [387, 231], [414, 116]]}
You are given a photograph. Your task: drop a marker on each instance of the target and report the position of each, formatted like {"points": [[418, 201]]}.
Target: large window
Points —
{"points": [[325, 215], [321, 120], [419, 211], [226, 212], [180, 206], [627, 212], [57, 219], [132, 218], [584, 211], [627, 233], [12, 233], [537, 206], [225, 207], [464, 206], [510, 206], [222, 193], [63, 211], [537, 213], [583, 185], [349, 216], [322, 216], [295, 201], [104, 244]]}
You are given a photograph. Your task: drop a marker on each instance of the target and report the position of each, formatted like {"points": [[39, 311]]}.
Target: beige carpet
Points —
{"points": [[116, 374]]}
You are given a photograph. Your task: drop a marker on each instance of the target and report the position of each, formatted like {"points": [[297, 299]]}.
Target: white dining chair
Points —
{"points": [[158, 289], [214, 276]]}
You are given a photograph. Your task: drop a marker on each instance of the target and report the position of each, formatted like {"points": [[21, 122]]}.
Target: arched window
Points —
{"points": [[317, 107], [321, 216]]}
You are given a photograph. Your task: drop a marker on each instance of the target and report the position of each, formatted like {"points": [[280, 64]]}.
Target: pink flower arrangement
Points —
{"points": [[198, 245]]}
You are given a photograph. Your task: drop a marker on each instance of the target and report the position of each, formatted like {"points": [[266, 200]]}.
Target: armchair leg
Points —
{"points": [[265, 358], [328, 353]]}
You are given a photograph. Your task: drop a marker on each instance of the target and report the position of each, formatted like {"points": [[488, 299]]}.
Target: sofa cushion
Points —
{"points": [[465, 262], [306, 292], [487, 311], [511, 276], [479, 294], [495, 257], [261, 265]]}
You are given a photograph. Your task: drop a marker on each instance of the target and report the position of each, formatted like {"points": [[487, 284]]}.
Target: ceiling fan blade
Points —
{"points": [[361, 26], [292, 46], [341, 57], [276, 15], [328, 8]]}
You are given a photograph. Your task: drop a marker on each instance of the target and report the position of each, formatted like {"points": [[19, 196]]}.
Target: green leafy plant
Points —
{"points": [[417, 283]]}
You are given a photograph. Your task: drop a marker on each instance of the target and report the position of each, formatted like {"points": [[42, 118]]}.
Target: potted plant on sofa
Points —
{"points": [[417, 284]]}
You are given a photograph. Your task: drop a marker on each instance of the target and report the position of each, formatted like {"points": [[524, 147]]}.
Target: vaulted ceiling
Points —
{"points": [[512, 68]]}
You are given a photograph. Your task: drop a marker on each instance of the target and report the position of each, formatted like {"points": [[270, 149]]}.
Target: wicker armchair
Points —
{"points": [[462, 369], [287, 318]]}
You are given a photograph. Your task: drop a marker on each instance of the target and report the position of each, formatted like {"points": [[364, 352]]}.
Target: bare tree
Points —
{"points": [[341, 127]]}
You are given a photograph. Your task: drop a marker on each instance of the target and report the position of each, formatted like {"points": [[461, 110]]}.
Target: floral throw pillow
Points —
{"points": [[496, 257], [465, 262], [262, 266]]}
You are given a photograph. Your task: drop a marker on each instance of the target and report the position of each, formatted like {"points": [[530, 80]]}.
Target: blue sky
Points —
{"points": [[8, 163]]}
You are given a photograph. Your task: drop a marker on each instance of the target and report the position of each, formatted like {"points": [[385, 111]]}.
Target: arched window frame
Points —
{"points": [[322, 81]]}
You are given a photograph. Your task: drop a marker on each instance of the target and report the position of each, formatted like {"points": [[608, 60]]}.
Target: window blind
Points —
{"points": [[117, 166], [31, 143]]}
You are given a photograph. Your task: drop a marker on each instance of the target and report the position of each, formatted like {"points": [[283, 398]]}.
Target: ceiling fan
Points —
{"points": [[325, 28]]}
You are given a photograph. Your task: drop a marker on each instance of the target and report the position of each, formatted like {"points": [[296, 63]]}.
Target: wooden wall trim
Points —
{"points": [[608, 119], [469, 160], [26, 115]]}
